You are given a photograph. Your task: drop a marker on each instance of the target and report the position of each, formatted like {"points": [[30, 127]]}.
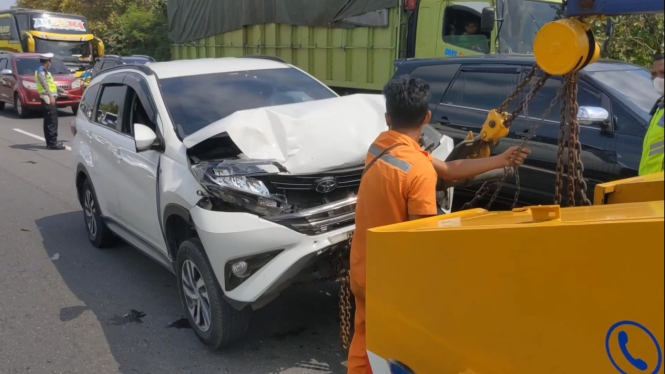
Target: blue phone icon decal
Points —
{"points": [[619, 336], [623, 344]]}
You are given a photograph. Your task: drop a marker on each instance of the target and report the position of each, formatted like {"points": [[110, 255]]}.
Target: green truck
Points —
{"points": [[352, 47]]}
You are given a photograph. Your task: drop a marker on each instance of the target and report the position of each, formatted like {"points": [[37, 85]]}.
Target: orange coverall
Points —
{"points": [[401, 183]]}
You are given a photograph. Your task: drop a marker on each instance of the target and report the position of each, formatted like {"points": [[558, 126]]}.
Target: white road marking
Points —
{"points": [[38, 137]]}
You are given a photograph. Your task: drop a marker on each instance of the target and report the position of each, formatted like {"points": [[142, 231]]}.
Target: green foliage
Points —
{"points": [[636, 39], [126, 26]]}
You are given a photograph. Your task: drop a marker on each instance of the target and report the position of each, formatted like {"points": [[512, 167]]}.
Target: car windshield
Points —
{"points": [[522, 21], [630, 87], [197, 101], [28, 66], [64, 50]]}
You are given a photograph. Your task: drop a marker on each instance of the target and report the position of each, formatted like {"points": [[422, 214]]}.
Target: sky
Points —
{"points": [[5, 4]]}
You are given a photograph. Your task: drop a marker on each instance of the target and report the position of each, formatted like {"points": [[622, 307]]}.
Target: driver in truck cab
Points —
{"points": [[399, 184]]}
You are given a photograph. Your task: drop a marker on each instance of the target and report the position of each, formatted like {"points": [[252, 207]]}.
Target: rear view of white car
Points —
{"points": [[239, 175]]}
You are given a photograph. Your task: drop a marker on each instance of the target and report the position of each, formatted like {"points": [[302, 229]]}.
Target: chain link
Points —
{"points": [[578, 167], [558, 184], [345, 306], [519, 88]]}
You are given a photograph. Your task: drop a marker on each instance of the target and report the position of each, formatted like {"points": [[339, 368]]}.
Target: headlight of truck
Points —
{"points": [[76, 84], [235, 182], [30, 85]]}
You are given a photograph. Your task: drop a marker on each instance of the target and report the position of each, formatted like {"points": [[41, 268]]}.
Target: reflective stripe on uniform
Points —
{"points": [[656, 149], [390, 159]]}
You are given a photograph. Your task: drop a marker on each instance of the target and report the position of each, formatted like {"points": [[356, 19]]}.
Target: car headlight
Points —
{"points": [[235, 182], [76, 84], [30, 85]]}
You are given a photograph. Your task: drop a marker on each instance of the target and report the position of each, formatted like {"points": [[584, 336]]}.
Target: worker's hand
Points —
{"points": [[52, 98], [514, 157]]}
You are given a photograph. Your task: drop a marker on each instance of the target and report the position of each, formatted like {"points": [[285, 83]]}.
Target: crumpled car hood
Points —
{"points": [[308, 137]]}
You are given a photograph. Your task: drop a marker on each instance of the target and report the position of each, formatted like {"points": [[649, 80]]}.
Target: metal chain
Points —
{"points": [[558, 184], [578, 166], [516, 113], [519, 88], [572, 186], [482, 191], [344, 304]]}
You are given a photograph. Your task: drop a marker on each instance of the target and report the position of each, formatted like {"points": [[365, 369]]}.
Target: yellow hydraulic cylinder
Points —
{"points": [[632, 190], [540, 290]]}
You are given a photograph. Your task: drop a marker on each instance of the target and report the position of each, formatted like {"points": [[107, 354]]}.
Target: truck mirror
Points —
{"points": [[488, 19]]}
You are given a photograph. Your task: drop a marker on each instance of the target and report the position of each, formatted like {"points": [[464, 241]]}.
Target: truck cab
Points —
{"points": [[444, 28]]}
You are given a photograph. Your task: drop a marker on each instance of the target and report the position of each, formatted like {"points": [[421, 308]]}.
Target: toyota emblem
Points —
{"points": [[325, 185]]}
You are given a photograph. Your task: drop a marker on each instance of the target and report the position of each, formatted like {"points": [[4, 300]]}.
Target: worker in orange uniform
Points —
{"points": [[399, 184]]}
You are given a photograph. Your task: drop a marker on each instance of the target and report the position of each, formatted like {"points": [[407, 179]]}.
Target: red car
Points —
{"points": [[18, 86]]}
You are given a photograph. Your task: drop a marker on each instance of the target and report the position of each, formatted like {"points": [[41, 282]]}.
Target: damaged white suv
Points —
{"points": [[239, 175]]}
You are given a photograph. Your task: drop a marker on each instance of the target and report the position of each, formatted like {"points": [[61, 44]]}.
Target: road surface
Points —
{"points": [[66, 307]]}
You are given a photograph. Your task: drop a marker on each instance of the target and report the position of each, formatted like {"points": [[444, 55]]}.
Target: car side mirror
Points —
{"points": [[589, 116], [7, 72], [487, 19], [144, 137]]}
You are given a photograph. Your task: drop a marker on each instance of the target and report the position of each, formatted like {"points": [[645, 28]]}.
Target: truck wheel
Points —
{"points": [[216, 323], [99, 234], [21, 111]]}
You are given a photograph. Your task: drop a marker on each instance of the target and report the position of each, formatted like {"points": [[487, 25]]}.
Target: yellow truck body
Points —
{"points": [[541, 290]]}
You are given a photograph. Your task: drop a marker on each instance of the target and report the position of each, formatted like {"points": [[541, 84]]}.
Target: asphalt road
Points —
{"points": [[66, 307]]}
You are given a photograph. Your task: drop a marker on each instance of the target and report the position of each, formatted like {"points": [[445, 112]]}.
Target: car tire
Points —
{"points": [[75, 109], [202, 296], [98, 233], [19, 108]]}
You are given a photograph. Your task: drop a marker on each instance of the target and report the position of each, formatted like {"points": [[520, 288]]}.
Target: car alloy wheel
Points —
{"points": [[90, 213], [196, 296]]}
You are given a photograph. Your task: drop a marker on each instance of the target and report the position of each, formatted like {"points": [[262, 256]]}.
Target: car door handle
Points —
{"points": [[443, 120], [524, 133], [116, 152]]}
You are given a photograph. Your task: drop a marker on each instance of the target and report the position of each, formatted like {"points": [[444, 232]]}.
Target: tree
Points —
{"points": [[636, 38]]}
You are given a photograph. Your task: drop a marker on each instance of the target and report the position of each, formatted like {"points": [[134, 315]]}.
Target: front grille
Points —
{"points": [[321, 219], [347, 178]]}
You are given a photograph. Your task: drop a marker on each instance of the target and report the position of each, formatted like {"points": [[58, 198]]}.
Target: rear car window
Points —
{"points": [[481, 90]]}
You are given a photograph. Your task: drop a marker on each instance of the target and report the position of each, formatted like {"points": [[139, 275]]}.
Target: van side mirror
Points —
{"points": [[488, 19], [590, 116], [144, 137], [6, 72]]}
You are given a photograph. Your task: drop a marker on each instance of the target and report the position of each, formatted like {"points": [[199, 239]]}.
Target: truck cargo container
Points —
{"points": [[352, 48]]}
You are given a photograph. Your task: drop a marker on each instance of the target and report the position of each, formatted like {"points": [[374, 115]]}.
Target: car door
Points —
{"points": [[538, 174], [136, 176], [630, 132], [475, 90], [98, 129]]}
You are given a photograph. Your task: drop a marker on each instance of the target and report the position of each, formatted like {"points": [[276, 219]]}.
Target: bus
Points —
{"points": [[67, 36]]}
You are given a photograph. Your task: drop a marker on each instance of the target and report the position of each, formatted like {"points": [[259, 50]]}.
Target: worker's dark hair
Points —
{"points": [[658, 57], [44, 60], [407, 101]]}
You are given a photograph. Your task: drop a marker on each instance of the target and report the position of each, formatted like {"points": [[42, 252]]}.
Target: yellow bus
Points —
{"points": [[67, 36]]}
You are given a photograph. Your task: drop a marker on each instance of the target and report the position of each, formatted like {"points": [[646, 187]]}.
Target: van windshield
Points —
{"points": [[522, 21]]}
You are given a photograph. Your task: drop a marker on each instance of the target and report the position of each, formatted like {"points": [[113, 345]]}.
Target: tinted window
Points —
{"points": [[624, 123], [137, 114], [22, 21], [64, 50], [28, 66], [108, 64], [3, 63], [88, 100], [110, 103], [631, 87], [587, 95], [438, 77], [481, 90], [197, 101], [5, 28]]}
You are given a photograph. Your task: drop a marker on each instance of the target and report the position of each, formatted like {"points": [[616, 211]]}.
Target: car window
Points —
{"points": [[3, 64], [625, 123], [438, 77], [136, 114], [110, 105], [195, 101], [461, 28], [631, 87], [28, 66], [587, 95], [481, 90], [88, 100]]}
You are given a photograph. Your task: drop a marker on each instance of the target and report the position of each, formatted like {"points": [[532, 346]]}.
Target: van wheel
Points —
{"points": [[99, 234], [216, 323], [21, 111]]}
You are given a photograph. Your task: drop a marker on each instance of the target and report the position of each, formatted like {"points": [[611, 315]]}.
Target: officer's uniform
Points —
{"points": [[49, 108], [653, 149]]}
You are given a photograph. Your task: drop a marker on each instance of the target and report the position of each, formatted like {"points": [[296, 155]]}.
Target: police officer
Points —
{"points": [[49, 91], [653, 149]]}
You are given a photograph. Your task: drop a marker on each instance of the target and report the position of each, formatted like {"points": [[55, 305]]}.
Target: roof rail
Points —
{"points": [[142, 68], [144, 56], [109, 56], [263, 57]]}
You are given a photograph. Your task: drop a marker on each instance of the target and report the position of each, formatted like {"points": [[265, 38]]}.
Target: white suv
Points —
{"points": [[239, 175]]}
